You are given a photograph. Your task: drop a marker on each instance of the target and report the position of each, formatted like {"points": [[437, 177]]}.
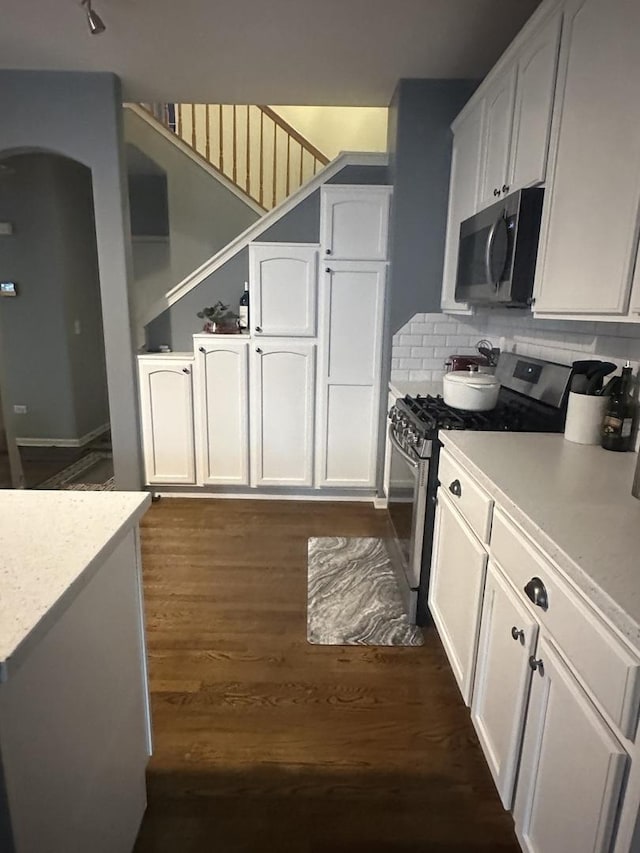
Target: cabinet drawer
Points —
{"points": [[609, 670], [472, 501]]}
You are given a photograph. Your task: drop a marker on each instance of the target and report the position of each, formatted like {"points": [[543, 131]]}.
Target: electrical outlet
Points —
{"points": [[20, 410]]}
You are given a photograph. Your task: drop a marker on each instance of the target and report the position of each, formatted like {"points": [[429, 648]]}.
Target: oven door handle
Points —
{"points": [[396, 446]]}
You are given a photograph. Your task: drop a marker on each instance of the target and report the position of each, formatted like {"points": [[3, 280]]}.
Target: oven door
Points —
{"points": [[407, 500]]}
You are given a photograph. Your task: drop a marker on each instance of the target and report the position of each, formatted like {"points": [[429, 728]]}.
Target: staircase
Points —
{"points": [[252, 146]]}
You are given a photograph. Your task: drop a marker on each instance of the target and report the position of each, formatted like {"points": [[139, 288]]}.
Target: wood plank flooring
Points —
{"points": [[264, 742]]}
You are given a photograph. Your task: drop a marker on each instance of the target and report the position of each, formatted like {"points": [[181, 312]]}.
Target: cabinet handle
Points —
{"points": [[456, 488], [496, 192], [517, 634], [258, 328], [202, 349], [537, 593], [258, 349], [327, 251], [536, 664], [186, 370], [505, 188]]}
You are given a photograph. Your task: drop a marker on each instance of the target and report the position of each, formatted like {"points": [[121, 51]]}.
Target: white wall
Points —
{"points": [[336, 129], [421, 347]]}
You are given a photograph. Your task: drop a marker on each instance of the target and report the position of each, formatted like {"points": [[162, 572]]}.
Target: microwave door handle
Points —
{"points": [[395, 444], [488, 252]]}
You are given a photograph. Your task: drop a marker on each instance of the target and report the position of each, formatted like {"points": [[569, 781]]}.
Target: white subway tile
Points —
{"points": [[400, 352], [422, 352], [410, 340], [410, 363], [419, 375]]}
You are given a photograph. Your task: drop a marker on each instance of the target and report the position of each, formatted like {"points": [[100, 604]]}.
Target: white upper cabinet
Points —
{"points": [[352, 309], [282, 407], [499, 103], [222, 410], [354, 222], [589, 235], [535, 87], [463, 195], [283, 289], [166, 412], [508, 635], [572, 767]]}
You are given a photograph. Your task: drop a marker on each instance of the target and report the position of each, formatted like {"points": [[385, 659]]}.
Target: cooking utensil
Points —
{"points": [[596, 376], [491, 353], [470, 391]]}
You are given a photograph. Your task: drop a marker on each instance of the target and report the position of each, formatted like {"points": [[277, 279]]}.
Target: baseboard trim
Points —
{"points": [[245, 496], [63, 442], [380, 503]]}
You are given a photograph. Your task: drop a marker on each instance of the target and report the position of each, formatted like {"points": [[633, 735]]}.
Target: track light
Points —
{"points": [[95, 22]]}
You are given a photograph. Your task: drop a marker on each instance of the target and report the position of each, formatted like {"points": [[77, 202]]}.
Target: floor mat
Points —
{"points": [[353, 595], [94, 472]]}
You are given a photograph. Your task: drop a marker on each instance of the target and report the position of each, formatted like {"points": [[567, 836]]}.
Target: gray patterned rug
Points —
{"points": [[353, 595]]}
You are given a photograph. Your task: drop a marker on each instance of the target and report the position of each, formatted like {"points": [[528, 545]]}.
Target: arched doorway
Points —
{"points": [[53, 383]]}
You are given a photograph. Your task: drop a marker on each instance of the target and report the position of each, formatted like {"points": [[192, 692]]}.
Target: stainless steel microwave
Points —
{"points": [[498, 249]]}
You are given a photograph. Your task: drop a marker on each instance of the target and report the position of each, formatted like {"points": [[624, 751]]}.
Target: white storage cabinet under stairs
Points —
{"points": [[295, 402]]}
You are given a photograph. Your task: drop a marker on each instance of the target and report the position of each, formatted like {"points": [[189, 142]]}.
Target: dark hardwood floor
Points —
{"points": [[264, 742]]}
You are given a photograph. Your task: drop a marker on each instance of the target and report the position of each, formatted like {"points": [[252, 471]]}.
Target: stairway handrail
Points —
{"points": [[294, 134]]}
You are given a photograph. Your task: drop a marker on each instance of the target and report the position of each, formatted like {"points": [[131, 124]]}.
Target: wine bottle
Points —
{"points": [[243, 308], [617, 426]]}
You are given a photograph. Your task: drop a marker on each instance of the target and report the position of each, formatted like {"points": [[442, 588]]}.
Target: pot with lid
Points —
{"points": [[470, 390]]}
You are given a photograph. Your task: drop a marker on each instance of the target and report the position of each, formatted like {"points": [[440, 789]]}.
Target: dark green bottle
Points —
{"points": [[617, 426]]}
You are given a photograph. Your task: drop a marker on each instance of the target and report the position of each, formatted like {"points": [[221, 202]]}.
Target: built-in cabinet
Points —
{"points": [[295, 402], [499, 107], [166, 411], [554, 691], [282, 408]]}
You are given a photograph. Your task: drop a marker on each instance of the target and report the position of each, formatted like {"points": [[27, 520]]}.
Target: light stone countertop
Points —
{"points": [[575, 503], [402, 387], [49, 543]]}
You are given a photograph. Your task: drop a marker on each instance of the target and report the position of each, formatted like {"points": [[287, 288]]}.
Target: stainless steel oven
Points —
{"points": [[498, 250], [407, 505]]}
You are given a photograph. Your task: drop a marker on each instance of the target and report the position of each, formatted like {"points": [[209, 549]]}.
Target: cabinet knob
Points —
{"points": [[258, 328], [456, 488], [537, 593], [517, 634], [327, 269], [202, 349], [505, 188], [186, 370], [258, 349], [536, 664], [496, 191], [327, 251]]}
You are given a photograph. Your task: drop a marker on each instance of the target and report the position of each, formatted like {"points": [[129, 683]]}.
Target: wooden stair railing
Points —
{"points": [[251, 145]]}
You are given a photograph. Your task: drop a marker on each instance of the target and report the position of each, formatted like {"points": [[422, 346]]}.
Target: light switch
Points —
{"points": [[20, 410]]}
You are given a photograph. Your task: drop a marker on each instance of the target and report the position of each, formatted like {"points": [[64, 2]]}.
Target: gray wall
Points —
{"points": [[203, 216], [419, 142], [80, 116], [59, 375], [176, 325]]}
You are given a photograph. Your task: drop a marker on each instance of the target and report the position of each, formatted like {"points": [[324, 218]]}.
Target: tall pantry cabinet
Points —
{"points": [[294, 402]]}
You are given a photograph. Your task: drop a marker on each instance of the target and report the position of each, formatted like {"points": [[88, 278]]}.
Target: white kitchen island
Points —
{"points": [[74, 713]]}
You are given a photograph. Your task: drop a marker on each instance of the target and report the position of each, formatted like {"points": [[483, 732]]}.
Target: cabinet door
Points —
{"points": [[282, 394], [222, 408], [463, 197], [589, 229], [283, 289], [166, 410], [571, 770], [352, 310], [354, 222], [455, 591], [508, 637], [499, 102], [535, 88]]}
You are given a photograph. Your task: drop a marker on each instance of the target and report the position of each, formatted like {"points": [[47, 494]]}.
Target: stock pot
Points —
{"points": [[470, 390]]}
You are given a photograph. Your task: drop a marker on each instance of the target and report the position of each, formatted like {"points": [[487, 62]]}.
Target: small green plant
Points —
{"points": [[218, 313]]}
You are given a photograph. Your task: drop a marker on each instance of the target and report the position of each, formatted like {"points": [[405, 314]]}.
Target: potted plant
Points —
{"points": [[219, 319]]}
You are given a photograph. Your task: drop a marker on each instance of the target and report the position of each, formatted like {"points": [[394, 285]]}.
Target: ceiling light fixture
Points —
{"points": [[95, 22]]}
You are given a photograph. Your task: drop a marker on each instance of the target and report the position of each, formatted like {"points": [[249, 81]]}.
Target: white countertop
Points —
{"points": [[575, 502], [402, 387], [49, 541]]}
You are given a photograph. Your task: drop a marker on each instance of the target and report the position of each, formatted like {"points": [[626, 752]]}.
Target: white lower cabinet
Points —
{"points": [[572, 766], [458, 570], [508, 636], [222, 410], [166, 410], [282, 405]]}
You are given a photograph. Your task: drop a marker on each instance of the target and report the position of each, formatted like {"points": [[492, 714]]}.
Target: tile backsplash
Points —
{"points": [[421, 347]]}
